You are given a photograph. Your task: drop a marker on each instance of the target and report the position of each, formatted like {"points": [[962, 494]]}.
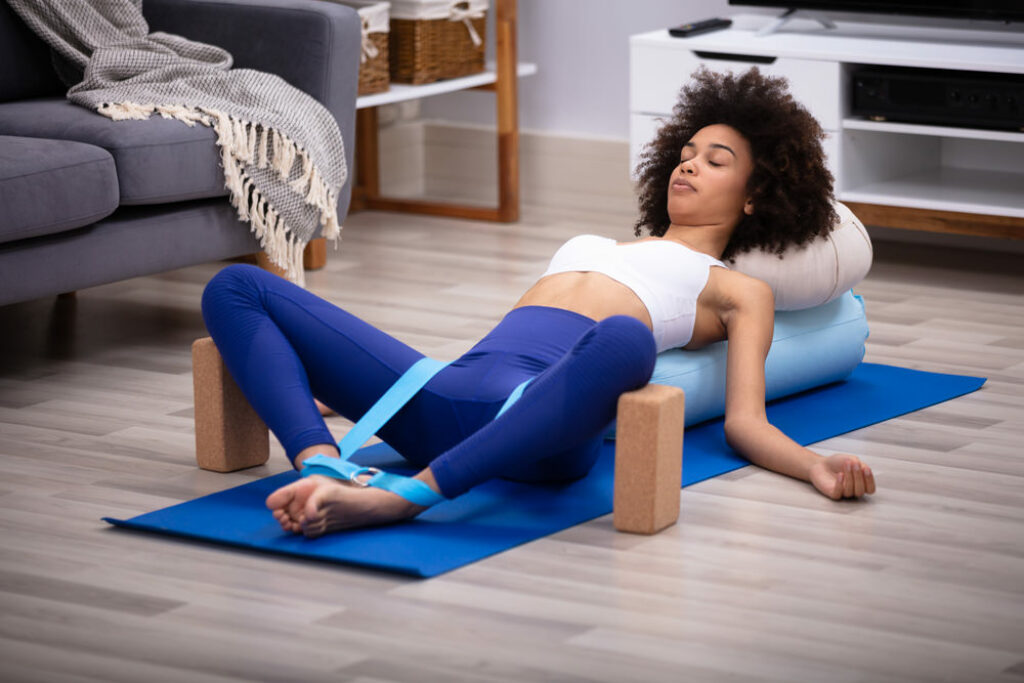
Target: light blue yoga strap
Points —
{"points": [[513, 397], [400, 393], [413, 490]]}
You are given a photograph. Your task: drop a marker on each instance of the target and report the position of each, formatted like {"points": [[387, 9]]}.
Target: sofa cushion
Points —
{"points": [[49, 186], [158, 160], [135, 240]]}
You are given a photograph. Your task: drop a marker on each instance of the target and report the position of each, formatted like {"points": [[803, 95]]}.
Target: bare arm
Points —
{"points": [[749, 323]]}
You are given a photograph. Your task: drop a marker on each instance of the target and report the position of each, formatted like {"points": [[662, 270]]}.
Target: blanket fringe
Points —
{"points": [[121, 111], [245, 143]]}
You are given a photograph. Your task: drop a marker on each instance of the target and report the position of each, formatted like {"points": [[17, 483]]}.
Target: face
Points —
{"points": [[709, 186]]}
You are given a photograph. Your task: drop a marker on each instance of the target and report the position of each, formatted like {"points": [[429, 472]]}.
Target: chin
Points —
{"points": [[679, 214]]}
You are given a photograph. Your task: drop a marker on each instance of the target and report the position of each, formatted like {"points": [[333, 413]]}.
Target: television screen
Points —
{"points": [[1003, 10]]}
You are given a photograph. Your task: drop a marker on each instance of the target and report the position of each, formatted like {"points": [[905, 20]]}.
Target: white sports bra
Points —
{"points": [[667, 277]]}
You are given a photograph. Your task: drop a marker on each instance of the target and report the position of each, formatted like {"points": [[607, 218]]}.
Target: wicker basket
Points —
{"points": [[436, 39], [374, 66]]}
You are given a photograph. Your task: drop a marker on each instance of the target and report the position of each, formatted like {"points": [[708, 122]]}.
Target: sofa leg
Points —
{"points": [[229, 434], [314, 257], [648, 459], [264, 262]]}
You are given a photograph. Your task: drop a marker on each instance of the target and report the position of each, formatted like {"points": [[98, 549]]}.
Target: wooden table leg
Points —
{"points": [[367, 155], [508, 116]]}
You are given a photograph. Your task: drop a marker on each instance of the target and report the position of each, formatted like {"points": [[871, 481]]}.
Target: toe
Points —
{"points": [[281, 497], [304, 488], [313, 530], [310, 512]]}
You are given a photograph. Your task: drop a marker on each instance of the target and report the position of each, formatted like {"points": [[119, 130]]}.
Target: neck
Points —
{"points": [[708, 239]]}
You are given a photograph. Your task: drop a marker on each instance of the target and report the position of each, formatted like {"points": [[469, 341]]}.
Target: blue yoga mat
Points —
{"points": [[499, 514]]}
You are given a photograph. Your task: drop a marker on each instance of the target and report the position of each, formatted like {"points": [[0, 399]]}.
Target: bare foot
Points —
{"points": [[317, 505], [842, 476], [324, 409]]}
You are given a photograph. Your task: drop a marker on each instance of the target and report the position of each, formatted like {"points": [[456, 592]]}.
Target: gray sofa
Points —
{"points": [[86, 201]]}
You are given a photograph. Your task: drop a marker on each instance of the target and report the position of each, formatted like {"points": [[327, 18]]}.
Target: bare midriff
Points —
{"points": [[594, 295]]}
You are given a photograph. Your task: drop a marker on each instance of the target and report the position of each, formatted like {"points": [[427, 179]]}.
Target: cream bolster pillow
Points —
{"points": [[810, 348], [817, 273]]}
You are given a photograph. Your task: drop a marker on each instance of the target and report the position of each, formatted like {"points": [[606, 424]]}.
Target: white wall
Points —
{"points": [[581, 48]]}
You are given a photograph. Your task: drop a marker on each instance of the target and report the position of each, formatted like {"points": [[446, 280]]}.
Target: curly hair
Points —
{"points": [[790, 186]]}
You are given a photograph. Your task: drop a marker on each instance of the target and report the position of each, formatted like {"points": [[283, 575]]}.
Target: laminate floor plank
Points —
{"points": [[762, 579], [30, 662]]}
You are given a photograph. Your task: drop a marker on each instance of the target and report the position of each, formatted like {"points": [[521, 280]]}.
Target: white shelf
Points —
{"points": [[859, 43], [994, 193], [400, 92], [932, 131]]}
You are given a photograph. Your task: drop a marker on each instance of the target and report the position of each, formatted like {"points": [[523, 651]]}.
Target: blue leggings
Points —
{"points": [[284, 345]]}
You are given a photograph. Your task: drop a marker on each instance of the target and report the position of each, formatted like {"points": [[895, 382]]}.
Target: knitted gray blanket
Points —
{"points": [[282, 152]]}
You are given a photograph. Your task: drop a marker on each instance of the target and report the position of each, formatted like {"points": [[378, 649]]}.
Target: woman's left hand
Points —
{"points": [[842, 476]]}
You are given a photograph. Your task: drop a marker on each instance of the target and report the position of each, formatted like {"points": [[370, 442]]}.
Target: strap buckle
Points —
{"points": [[372, 471]]}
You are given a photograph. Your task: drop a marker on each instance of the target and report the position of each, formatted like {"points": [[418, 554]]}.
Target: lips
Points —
{"points": [[681, 185]]}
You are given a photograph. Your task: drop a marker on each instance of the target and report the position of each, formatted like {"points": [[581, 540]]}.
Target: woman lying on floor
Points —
{"points": [[739, 166]]}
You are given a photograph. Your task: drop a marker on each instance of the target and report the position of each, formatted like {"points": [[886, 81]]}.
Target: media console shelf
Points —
{"points": [[901, 175]]}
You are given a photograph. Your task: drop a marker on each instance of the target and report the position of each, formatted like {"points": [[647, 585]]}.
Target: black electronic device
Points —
{"points": [[965, 99], [1000, 10], [698, 27]]}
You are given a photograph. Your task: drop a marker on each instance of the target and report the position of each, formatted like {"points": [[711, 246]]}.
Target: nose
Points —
{"points": [[688, 167]]}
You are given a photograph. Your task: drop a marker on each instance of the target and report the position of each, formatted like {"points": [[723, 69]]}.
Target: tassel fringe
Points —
{"points": [[245, 143]]}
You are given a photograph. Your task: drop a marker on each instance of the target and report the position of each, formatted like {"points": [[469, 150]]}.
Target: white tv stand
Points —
{"points": [[791, 15], [935, 178]]}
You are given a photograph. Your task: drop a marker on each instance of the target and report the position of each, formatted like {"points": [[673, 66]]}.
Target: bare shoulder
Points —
{"points": [[734, 291], [729, 297]]}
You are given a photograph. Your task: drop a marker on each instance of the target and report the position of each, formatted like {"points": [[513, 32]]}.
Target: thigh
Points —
{"points": [[282, 342], [560, 415], [349, 362], [567, 465]]}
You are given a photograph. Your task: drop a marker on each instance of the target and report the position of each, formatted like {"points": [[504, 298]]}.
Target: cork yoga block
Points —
{"points": [[229, 434], [648, 459]]}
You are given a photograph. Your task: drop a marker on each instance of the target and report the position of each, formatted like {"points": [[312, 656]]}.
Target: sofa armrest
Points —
{"points": [[313, 45]]}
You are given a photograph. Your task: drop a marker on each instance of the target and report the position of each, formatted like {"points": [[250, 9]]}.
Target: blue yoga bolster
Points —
{"points": [[810, 348]]}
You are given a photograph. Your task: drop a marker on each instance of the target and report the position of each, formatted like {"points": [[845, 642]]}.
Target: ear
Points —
{"points": [[748, 207]]}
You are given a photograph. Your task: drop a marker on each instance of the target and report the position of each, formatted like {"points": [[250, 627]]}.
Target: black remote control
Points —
{"points": [[698, 27]]}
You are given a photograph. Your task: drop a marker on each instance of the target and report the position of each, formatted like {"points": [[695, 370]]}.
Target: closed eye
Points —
{"points": [[710, 163]]}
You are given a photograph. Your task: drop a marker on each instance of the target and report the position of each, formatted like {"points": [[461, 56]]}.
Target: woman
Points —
{"points": [[739, 166]]}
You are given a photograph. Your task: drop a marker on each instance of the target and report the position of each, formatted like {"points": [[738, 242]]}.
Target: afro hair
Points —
{"points": [[790, 186]]}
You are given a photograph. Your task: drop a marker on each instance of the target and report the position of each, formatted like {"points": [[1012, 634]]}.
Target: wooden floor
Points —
{"points": [[761, 580]]}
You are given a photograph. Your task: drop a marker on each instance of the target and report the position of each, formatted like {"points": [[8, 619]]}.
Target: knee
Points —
{"points": [[234, 284], [633, 342]]}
